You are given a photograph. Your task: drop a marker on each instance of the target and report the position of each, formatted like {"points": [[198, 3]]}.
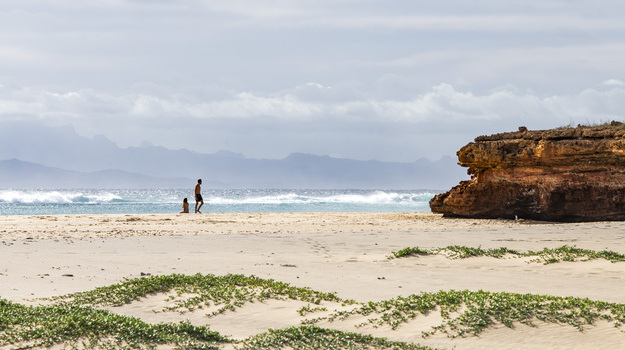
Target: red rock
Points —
{"points": [[568, 174]]}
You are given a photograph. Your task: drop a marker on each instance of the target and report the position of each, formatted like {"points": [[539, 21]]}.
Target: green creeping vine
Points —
{"points": [[72, 324], [468, 312], [307, 309], [546, 256], [409, 251], [313, 338], [202, 290], [74, 321]]}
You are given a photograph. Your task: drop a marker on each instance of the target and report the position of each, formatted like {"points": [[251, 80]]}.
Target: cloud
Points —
{"points": [[445, 16], [614, 82], [15, 53], [243, 105], [443, 102], [482, 23], [303, 118], [273, 44]]}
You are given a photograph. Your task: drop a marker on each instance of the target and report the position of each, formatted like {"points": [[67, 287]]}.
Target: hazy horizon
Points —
{"points": [[60, 158]]}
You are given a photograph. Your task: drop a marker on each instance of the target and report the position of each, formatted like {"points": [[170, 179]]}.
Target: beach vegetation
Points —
{"points": [[409, 251], [308, 309], [471, 312], [313, 338], [573, 253], [76, 321], [463, 252], [190, 292], [76, 325], [545, 256]]}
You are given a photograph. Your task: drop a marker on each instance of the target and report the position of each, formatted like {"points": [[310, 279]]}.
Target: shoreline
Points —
{"points": [[345, 253]]}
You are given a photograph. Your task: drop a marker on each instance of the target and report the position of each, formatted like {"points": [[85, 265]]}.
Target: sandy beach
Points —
{"points": [[345, 253]]}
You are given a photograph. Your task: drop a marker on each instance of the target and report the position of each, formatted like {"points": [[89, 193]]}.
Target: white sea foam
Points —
{"points": [[374, 197], [124, 201], [54, 197]]}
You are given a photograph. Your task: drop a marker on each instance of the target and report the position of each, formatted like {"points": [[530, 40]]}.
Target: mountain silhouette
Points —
{"points": [[38, 156]]}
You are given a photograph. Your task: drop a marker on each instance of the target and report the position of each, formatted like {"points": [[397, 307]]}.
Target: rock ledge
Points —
{"points": [[567, 174]]}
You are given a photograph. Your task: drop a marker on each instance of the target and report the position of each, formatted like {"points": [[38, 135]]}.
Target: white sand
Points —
{"points": [[346, 253]]}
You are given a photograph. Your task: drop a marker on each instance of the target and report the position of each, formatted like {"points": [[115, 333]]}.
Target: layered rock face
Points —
{"points": [[569, 174]]}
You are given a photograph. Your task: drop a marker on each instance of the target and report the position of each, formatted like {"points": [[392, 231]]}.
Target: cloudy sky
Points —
{"points": [[393, 80]]}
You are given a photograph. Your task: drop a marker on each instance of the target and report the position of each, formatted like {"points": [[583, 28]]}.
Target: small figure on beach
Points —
{"points": [[185, 206], [198, 196]]}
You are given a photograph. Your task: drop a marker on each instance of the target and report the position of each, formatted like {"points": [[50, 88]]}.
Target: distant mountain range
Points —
{"points": [[43, 157], [17, 174]]}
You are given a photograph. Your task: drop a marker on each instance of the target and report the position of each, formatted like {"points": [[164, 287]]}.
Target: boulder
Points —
{"points": [[565, 174]]}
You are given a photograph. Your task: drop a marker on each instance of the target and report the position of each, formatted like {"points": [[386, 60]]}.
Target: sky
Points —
{"points": [[391, 80]]}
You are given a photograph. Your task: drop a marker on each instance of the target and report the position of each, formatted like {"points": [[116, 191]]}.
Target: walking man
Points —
{"points": [[198, 196]]}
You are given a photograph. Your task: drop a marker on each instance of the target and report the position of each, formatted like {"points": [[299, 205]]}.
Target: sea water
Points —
{"points": [[152, 201]]}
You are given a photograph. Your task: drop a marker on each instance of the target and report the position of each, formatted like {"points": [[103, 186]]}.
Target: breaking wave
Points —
{"points": [[55, 197], [374, 197], [125, 201]]}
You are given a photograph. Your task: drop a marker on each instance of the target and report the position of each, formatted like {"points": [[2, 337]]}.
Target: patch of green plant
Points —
{"points": [[454, 252], [462, 313], [546, 256], [36, 326], [596, 125], [199, 291], [469, 312], [573, 253], [314, 338], [307, 309], [463, 252], [409, 251]]}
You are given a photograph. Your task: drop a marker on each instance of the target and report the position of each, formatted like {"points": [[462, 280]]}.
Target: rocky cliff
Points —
{"points": [[567, 174]]}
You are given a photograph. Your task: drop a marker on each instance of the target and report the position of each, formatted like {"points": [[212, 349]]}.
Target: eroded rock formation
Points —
{"points": [[568, 174]]}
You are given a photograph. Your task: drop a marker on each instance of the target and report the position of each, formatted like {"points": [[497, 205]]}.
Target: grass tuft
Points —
{"points": [[546, 256]]}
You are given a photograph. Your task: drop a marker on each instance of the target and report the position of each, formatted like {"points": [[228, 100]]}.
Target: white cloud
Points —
{"points": [[15, 53], [614, 82], [444, 106], [269, 11], [252, 106], [483, 23], [433, 123]]}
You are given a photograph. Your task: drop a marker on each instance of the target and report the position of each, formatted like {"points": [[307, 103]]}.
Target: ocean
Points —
{"points": [[153, 201]]}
